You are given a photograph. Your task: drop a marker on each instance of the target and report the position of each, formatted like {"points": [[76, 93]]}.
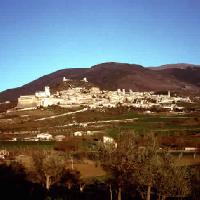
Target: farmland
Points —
{"points": [[82, 131]]}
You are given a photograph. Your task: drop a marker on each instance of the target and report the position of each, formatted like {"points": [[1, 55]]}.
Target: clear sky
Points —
{"points": [[38, 37]]}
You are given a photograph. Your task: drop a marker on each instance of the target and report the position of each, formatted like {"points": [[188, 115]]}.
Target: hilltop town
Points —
{"points": [[94, 97], [99, 100], [75, 120], [79, 108]]}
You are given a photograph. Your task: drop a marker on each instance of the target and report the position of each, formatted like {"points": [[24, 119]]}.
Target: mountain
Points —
{"points": [[176, 66], [182, 78]]}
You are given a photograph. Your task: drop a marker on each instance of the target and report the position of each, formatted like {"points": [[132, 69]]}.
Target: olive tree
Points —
{"points": [[121, 161], [140, 160], [48, 167], [148, 163], [173, 181], [159, 171]]}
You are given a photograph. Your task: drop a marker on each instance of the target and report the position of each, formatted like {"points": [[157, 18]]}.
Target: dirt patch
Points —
{"points": [[89, 169]]}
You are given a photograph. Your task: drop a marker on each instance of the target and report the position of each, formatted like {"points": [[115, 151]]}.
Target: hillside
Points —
{"points": [[176, 66], [182, 78]]}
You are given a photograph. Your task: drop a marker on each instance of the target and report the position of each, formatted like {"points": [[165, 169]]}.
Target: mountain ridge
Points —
{"points": [[113, 75], [177, 66]]}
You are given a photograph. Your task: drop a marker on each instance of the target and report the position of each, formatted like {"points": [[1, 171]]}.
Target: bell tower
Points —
{"points": [[47, 91]]}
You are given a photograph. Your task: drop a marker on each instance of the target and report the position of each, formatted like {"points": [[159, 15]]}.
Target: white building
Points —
{"points": [[29, 101], [85, 80], [44, 136], [59, 137], [78, 133], [65, 79], [109, 141], [43, 94]]}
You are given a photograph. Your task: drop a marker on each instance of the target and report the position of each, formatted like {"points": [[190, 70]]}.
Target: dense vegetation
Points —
{"points": [[141, 167], [137, 169]]}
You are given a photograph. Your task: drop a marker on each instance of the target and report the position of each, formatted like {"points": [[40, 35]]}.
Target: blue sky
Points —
{"points": [[38, 37]]}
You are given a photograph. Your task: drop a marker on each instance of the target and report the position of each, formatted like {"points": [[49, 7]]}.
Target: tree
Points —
{"points": [[48, 167], [70, 177], [158, 170], [140, 160], [195, 181], [13, 182], [148, 163], [120, 162], [173, 181]]}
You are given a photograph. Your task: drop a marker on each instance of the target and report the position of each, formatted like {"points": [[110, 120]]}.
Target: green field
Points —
{"points": [[23, 145], [185, 126]]}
